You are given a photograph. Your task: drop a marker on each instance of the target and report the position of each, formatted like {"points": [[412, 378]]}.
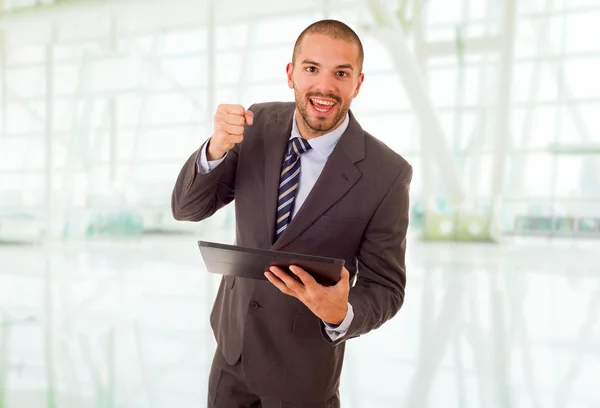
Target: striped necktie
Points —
{"points": [[288, 186]]}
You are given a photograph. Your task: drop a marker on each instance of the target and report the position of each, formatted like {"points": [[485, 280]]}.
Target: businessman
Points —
{"points": [[305, 178]]}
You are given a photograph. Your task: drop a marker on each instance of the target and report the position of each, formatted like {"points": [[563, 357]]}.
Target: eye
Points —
{"points": [[342, 73], [311, 69]]}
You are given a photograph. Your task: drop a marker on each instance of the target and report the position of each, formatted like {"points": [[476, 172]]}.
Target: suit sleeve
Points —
{"points": [[379, 290], [198, 195]]}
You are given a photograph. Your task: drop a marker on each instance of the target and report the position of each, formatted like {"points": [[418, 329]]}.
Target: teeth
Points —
{"points": [[323, 102]]}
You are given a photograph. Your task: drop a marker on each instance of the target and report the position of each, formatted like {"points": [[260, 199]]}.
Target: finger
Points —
{"points": [[221, 137], [304, 276], [235, 109], [279, 284], [249, 117], [344, 278], [234, 120], [289, 281], [228, 129], [232, 129], [234, 139], [225, 142]]}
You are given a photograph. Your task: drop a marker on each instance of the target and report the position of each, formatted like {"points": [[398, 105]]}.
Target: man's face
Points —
{"points": [[325, 78]]}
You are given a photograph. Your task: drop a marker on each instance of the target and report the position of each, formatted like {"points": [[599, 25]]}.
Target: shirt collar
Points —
{"points": [[324, 144]]}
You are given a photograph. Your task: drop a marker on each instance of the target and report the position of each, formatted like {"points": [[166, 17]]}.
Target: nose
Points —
{"points": [[325, 84]]}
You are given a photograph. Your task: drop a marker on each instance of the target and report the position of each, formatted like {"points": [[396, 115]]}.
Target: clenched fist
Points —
{"points": [[229, 129]]}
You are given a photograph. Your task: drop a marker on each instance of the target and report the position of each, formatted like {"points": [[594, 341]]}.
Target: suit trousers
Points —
{"points": [[227, 389]]}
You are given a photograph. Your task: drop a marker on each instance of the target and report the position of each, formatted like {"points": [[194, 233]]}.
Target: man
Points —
{"points": [[306, 178]]}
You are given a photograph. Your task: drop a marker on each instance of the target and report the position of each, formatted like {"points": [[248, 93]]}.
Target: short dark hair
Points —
{"points": [[335, 29]]}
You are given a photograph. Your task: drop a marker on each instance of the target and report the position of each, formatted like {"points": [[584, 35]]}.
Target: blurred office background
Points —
{"points": [[104, 300]]}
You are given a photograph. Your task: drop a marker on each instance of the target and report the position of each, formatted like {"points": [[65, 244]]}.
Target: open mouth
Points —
{"points": [[322, 105]]}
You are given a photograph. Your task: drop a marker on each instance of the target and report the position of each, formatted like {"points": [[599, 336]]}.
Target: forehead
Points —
{"points": [[327, 50]]}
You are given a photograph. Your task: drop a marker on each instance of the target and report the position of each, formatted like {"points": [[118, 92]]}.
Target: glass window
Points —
{"points": [[169, 108], [395, 130], [189, 71], [21, 117], [534, 82], [114, 73], [269, 64], [582, 27], [442, 86], [183, 41], [589, 117], [381, 92], [282, 31], [440, 11], [26, 82], [581, 74], [538, 177]]}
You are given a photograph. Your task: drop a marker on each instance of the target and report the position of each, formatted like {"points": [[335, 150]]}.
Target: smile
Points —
{"points": [[322, 105]]}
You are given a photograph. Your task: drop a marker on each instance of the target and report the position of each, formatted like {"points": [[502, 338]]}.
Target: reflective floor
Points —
{"points": [[124, 323]]}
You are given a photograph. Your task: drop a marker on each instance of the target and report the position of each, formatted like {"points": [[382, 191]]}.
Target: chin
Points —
{"points": [[321, 125], [315, 121]]}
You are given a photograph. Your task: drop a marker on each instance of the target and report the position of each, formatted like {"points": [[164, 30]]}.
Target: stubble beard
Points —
{"points": [[320, 126]]}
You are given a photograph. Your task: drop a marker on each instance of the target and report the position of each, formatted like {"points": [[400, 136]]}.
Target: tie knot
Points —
{"points": [[299, 145]]}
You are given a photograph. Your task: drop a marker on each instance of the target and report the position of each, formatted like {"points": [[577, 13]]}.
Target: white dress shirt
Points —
{"points": [[311, 165]]}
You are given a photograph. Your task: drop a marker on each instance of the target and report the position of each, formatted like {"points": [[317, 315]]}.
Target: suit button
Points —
{"points": [[254, 305]]}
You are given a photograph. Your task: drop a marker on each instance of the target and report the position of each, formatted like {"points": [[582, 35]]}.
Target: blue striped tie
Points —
{"points": [[288, 186]]}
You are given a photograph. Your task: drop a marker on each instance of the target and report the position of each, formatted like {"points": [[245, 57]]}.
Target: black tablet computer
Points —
{"points": [[252, 263]]}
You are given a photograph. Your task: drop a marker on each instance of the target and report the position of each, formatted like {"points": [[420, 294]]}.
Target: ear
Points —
{"points": [[289, 69], [361, 78]]}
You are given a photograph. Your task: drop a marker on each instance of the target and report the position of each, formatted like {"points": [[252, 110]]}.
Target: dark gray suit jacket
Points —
{"points": [[357, 211]]}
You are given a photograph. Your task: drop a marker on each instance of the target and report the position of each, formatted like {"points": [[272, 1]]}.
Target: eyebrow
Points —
{"points": [[342, 66]]}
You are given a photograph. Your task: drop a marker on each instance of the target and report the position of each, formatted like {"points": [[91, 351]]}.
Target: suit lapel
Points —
{"points": [[337, 177]]}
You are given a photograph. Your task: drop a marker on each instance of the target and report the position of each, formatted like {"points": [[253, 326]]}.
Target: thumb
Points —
{"points": [[249, 115], [344, 277]]}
